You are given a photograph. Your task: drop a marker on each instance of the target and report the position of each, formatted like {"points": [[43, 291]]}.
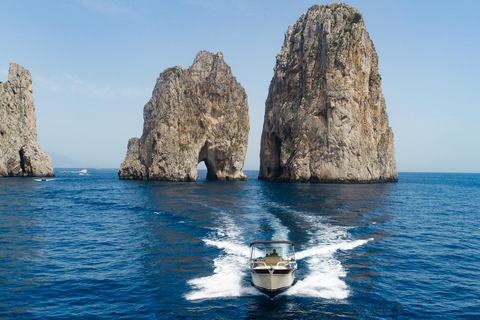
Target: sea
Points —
{"points": [[96, 247]]}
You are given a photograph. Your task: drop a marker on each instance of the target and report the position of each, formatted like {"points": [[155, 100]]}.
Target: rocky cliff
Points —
{"points": [[20, 154], [195, 114], [325, 115]]}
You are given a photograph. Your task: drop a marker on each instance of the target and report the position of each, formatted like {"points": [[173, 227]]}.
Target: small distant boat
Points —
{"points": [[272, 265], [83, 172]]}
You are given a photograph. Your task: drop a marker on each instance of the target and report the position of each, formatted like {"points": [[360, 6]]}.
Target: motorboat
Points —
{"points": [[272, 265], [83, 172]]}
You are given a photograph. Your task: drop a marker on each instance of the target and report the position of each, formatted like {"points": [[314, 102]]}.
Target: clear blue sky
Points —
{"points": [[95, 63]]}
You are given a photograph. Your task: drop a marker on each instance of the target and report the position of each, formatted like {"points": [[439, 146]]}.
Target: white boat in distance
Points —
{"points": [[272, 265], [83, 172]]}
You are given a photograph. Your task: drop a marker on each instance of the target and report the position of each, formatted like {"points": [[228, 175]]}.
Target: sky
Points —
{"points": [[94, 65]]}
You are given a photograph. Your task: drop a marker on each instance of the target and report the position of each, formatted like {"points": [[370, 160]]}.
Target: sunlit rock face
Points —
{"points": [[325, 115], [195, 114], [20, 155]]}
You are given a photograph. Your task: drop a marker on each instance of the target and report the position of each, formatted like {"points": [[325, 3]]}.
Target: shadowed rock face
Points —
{"points": [[20, 154], [195, 114], [325, 115]]}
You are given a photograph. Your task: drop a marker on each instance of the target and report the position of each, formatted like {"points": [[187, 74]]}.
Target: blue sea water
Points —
{"points": [[95, 247]]}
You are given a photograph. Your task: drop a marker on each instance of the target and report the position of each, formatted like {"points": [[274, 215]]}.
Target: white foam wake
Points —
{"points": [[229, 268], [330, 249], [320, 275], [228, 274], [325, 273], [229, 247]]}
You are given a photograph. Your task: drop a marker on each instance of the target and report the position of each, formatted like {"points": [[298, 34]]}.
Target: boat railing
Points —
{"points": [[257, 263], [285, 264], [289, 264]]}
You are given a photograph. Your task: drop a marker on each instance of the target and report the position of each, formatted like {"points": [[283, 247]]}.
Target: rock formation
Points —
{"points": [[325, 115], [20, 155], [195, 114]]}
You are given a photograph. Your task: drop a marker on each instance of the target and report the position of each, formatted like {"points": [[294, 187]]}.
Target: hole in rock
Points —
{"points": [[202, 170], [203, 158]]}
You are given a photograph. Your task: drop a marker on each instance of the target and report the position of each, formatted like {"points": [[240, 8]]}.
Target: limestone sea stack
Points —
{"points": [[325, 115], [20, 155], [195, 114]]}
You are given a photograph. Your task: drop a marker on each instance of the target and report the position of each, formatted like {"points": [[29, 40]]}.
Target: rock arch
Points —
{"points": [[195, 114]]}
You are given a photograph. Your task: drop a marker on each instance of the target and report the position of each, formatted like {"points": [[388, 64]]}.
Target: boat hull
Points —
{"points": [[272, 280]]}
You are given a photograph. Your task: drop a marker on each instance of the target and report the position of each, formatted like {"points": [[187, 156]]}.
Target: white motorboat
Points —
{"points": [[272, 265], [83, 172]]}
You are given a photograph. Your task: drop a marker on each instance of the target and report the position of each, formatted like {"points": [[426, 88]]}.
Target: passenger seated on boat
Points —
{"points": [[273, 253]]}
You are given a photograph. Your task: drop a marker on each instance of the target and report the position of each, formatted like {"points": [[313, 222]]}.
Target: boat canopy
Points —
{"points": [[271, 242]]}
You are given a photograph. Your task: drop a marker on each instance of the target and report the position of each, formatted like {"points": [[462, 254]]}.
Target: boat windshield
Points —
{"points": [[261, 251]]}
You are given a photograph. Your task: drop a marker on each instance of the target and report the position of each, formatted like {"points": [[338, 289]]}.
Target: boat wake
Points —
{"points": [[229, 274], [320, 273], [324, 272]]}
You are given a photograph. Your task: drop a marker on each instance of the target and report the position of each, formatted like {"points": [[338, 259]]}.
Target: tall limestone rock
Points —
{"points": [[325, 115], [195, 114], [20, 154]]}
